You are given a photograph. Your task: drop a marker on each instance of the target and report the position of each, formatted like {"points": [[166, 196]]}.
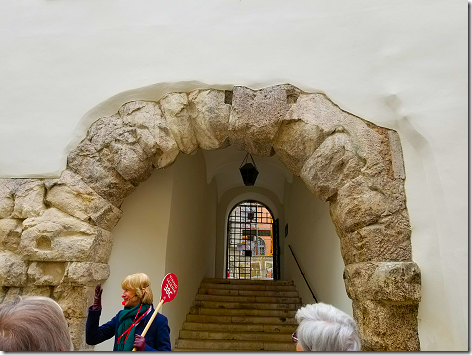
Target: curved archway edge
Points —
{"points": [[56, 238]]}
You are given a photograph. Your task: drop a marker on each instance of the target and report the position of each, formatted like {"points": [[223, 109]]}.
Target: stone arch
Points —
{"points": [[352, 163]]}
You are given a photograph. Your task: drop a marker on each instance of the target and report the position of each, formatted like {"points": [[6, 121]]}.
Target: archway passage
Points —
{"points": [[56, 232], [250, 242]]}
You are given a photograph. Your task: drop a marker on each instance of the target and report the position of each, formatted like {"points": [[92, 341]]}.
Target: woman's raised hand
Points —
{"points": [[97, 298]]}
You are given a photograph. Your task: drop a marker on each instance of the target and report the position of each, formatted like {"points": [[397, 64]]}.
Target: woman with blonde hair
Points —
{"points": [[130, 322], [33, 323]]}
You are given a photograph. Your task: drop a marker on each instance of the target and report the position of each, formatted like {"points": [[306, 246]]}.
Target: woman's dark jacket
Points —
{"points": [[157, 337]]}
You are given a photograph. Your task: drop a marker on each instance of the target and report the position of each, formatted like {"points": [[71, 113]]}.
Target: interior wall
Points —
{"points": [[314, 241], [191, 242], [141, 231], [228, 200]]}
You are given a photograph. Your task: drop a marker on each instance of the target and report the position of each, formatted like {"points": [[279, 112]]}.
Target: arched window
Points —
{"points": [[250, 241]]}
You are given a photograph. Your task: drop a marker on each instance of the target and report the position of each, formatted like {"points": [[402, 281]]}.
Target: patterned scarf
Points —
{"points": [[126, 318]]}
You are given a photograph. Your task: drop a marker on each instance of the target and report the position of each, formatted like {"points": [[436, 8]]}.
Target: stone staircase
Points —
{"points": [[241, 315]]}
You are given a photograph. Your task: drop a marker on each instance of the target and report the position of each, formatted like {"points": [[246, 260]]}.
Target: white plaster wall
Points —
{"points": [[142, 230], [314, 241], [191, 238], [400, 64]]}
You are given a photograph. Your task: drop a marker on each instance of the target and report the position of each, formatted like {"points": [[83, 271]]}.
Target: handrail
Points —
{"points": [[316, 301]]}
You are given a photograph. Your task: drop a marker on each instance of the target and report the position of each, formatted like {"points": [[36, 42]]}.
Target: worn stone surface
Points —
{"points": [[154, 136], [295, 142], [387, 327], [256, 116], [86, 273], [174, 107], [3, 292], [396, 155], [332, 165], [74, 300], [318, 110], [29, 197], [73, 196], [210, 118], [117, 144], [358, 204], [56, 236], [12, 269], [98, 174], [77, 333], [12, 293], [21, 198], [7, 201], [387, 240], [383, 281], [45, 273], [10, 233], [32, 290]]}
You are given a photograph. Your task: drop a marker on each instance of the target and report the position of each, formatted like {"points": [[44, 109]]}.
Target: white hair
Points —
{"points": [[323, 327], [33, 323]]}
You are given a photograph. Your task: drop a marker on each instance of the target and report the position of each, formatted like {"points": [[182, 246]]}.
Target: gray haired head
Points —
{"points": [[33, 323], [323, 327]]}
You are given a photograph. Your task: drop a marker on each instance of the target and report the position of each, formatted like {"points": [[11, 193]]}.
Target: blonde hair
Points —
{"points": [[138, 282], [33, 323]]}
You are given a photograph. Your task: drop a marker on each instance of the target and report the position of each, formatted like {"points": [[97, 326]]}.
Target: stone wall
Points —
{"points": [[55, 233]]}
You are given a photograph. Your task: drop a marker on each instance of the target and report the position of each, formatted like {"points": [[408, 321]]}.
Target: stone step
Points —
{"points": [[204, 318], [248, 282], [242, 312], [234, 327], [252, 299], [236, 292], [247, 305], [222, 335], [204, 345], [248, 287]]}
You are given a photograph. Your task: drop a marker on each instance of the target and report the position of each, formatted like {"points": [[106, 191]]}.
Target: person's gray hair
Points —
{"points": [[323, 327], [33, 323]]}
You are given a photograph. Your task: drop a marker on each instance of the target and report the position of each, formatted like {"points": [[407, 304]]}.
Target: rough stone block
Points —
{"points": [[73, 196], [154, 136], [98, 174], [85, 273], [331, 166], [10, 233], [32, 290], [3, 293], [12, 293], [77, 334], [357, 205], [45, 273], [396, 155], [387, 240], [387, 327], [295, 142], [74, 300], [7, 201], [256, 116], [318, 110], [12, 269], [210, 118], [174, 107], [29, 197], [56, 236], [383, 281]]}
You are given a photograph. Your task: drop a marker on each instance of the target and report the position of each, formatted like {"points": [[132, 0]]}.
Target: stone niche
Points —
{"points": [[55, 237]]}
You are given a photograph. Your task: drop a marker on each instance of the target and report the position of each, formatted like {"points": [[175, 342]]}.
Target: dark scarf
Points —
{"points": [[126, 318]]}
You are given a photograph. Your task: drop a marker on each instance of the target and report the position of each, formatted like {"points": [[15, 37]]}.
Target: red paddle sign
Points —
{"points": [[169, 288]]}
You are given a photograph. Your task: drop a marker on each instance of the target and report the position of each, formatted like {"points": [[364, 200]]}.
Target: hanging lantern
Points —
{"points": [[248, 171]]}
